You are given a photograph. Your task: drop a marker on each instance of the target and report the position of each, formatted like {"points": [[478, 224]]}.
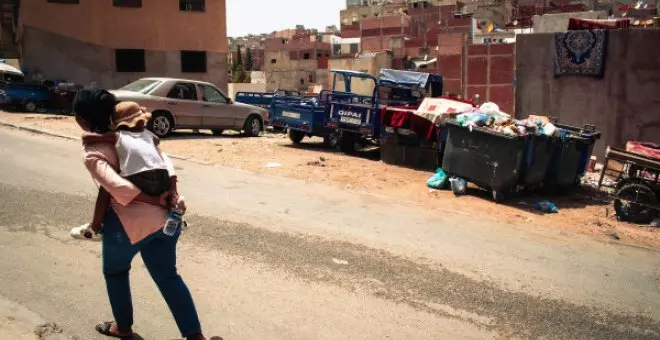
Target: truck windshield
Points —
{"points": [[360, 86], [141, 86]]}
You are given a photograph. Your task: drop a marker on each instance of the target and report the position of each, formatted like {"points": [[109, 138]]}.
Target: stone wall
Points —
{"points": [[624, 104]]}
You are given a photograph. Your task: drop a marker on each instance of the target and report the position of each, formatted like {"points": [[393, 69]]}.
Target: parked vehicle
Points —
{"points": [[304, 117], [63, 96], [357, 112], [263, 99], [26, 96], [190, 104]]}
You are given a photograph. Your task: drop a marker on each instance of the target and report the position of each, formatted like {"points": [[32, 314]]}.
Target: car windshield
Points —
{"points": [[141, 86]]}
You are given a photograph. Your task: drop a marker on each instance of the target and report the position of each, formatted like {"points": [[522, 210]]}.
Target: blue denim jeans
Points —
{"points": [[159, 255]]}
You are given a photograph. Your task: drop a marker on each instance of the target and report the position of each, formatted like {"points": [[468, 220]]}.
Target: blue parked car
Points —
{"points": [[26, 96]]}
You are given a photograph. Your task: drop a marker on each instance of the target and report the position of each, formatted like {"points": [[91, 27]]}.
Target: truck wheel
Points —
{"points": [[347, 143], [296, 136], [30, 106], [161, 124], [634, 203], [331, 141]]}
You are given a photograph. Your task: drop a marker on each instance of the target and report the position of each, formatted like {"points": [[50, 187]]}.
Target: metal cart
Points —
{"points": [[637, 189]]}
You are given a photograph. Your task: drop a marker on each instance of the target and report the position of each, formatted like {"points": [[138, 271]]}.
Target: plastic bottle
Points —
{"points": [[174, 219]]}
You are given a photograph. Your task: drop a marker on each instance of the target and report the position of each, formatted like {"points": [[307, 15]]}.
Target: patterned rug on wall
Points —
{"points": [[580, 53]]}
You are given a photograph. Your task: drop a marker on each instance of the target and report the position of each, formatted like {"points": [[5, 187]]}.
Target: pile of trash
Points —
{"points": [[489, 116]]}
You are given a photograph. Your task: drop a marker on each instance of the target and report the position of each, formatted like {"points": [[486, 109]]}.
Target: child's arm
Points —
{"points": [[100, 209]]}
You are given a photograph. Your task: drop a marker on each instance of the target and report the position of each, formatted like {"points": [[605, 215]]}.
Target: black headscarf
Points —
{"points": [[95, 107]]}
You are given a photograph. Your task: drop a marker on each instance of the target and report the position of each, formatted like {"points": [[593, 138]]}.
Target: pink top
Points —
{"points": [[139, 219]]}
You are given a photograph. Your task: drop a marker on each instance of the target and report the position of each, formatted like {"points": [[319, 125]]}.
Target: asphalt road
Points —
{"points": [[275, 258]]}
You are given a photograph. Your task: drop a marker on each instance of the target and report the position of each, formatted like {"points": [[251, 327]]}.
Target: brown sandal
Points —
{"points": [[104, 328]]}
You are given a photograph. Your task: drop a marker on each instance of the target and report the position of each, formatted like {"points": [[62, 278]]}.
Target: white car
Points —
{"points": [[190, 104]]}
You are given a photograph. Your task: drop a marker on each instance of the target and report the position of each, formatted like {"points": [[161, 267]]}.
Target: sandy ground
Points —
{"points": [[582, 211]]}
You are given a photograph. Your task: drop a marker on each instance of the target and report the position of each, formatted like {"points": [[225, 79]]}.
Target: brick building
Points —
{"points": [[114, 42]]}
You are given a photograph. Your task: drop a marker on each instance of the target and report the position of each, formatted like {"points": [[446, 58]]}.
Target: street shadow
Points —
{"points": [[571, 198], [368, 153], [137, 337]]}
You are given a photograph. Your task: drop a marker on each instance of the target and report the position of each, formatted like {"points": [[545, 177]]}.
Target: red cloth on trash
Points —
{"points": [[395, 118], [407, 119], [423, 127], [647, 149]]}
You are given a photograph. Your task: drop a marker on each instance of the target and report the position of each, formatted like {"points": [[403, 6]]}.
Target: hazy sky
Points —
{"points": [[264, 16]]}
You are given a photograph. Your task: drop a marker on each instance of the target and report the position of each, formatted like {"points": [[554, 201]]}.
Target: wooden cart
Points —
{"points": [[637, 189]]}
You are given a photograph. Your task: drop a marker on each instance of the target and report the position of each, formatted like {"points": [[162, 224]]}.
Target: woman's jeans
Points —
{"points": [[159, 255]]}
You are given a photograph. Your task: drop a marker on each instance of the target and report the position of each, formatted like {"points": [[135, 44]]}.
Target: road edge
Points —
{"points": [[37, 130], [51, 133]]}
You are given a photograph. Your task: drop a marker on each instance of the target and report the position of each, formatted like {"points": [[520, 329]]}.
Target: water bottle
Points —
{"points": [[174, 219]]}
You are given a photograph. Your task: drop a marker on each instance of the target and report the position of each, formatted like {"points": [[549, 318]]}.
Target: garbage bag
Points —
{"points": [[437, 181], [458, 186]]}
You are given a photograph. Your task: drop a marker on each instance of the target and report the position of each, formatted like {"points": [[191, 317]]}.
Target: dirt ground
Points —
{"points": [[583, 211]]}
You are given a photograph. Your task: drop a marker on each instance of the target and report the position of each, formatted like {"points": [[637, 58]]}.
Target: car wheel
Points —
{"points": [[30, 106], [253, 127], [161, 124], [217, 132], [296, 136]]}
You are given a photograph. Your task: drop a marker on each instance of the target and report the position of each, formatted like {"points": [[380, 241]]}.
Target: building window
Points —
{"points": [[311, 78], [130, 61], [193, 62], [64, 1], [306, 56], [273, 61], [127, 3], [192, 5]]}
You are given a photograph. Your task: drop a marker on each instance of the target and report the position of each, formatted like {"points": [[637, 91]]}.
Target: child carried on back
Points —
{"points": [[140, 162]]}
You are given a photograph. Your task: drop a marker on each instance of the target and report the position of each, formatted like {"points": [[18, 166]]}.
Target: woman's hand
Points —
{"points": [[160, 201], [169, 199]]}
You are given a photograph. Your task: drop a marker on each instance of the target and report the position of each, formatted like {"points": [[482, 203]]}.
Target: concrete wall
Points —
{"points": [[47, 55], [244, 87], [159, 25], [371, 63], [551, 23], [288, 74], [624, 105]]}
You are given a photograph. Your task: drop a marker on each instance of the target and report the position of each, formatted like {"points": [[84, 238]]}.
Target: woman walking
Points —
{"points": [[133, 224]]}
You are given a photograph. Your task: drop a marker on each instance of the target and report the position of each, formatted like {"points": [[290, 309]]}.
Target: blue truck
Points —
{"points": [[357, 112], [304, 116], [263, 99]]}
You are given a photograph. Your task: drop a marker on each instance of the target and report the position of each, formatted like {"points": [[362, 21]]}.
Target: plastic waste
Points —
{"points": [[546, 207], [438, 181], [458, 186], [174, 219], [489, 108], [549, 129]]}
